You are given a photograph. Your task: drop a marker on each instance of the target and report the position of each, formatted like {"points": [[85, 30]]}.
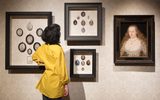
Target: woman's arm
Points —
{"points": [[36, 57]]}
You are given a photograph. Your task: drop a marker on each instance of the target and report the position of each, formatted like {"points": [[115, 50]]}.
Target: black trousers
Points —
{"points": [[46, 98]]}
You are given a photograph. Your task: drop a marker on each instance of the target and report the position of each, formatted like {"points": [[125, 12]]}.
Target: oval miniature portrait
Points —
{"points": [[82, 63], [88, 62], [22, 47], [83, 14], [39, 32], [77, 62], [29, 39], [88, 17], [83, 30], [78, 17], [75, 22], [19, 32], [29, 51], [83, 23], [29, 26], [82, 68], [91, 22], [36, 45], [83, 57]]}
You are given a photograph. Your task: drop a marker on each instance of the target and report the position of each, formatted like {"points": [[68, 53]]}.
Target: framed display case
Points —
{"points": [[134, 40], [82, 63], [23, 37], [83, 23]]}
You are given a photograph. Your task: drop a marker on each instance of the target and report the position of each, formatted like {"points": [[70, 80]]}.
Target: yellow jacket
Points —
{"points": [[55, 75]]}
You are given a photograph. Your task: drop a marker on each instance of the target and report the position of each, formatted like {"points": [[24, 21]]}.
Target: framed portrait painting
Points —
{"points": [[134, 40], [83, 23], [23, 37], [82, 63]]}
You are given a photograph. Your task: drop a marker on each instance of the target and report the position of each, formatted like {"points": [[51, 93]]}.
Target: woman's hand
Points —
{"points": [[66, 90]]}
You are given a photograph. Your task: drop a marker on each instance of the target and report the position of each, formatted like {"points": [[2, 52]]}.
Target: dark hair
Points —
{"points": [[51, 34]]}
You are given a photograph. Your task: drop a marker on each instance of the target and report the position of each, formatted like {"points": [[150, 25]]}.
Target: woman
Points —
{"points": [[53, 83], [134, 43]]}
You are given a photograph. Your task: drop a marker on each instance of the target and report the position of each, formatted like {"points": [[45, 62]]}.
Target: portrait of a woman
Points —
{"points": [[134, 43]]}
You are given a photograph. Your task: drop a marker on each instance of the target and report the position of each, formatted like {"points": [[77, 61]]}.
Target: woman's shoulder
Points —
{"points": [[53, 47], [56, 48]]}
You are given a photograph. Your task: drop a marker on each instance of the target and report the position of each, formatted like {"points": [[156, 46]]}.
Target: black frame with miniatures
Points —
{"points": [[134, 40], [23, 30], [82, 64], [83, 23]]}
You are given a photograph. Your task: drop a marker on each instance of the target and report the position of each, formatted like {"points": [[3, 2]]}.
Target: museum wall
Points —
{"points": [[112, 82]]}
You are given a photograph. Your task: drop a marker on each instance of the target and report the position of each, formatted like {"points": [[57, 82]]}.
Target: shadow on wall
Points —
{"points": [[76, 91], [103, 26], [134, 68]]}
